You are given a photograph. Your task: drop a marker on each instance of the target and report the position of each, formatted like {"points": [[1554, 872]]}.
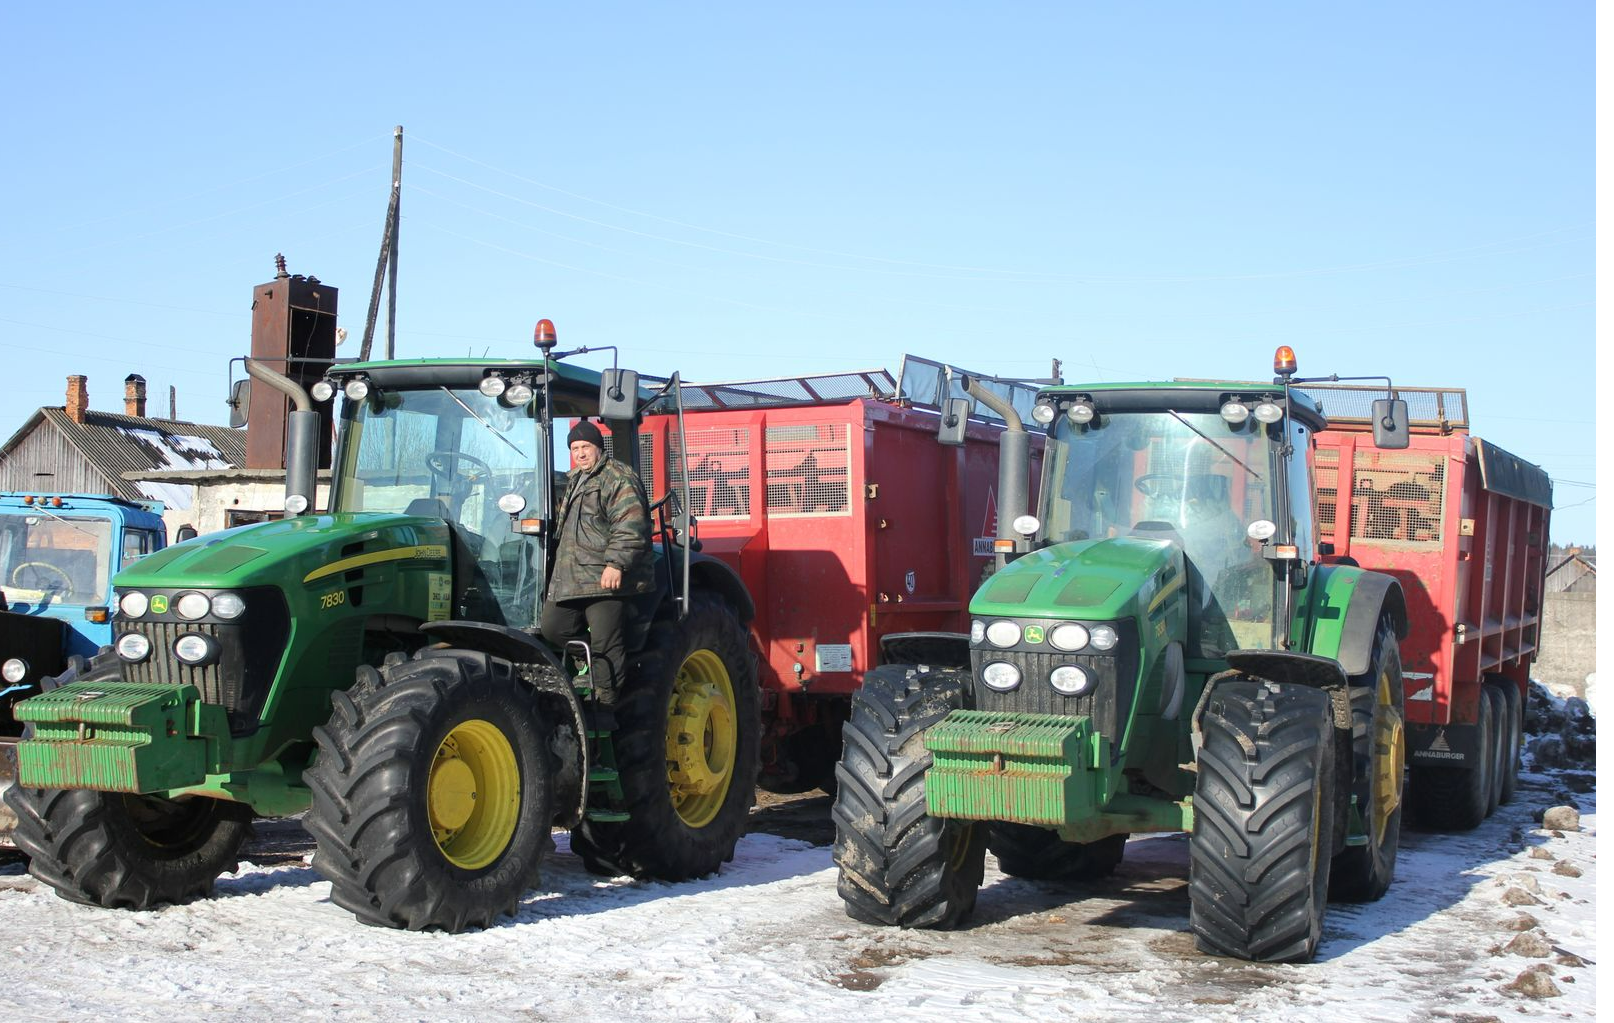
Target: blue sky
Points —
{"points": [[749, 190]]}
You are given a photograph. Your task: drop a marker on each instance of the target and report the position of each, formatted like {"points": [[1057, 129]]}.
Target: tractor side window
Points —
{"points": [[137, 543]]}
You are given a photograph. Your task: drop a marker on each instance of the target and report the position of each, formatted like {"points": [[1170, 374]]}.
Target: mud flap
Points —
{"points": [[1442, 745]]}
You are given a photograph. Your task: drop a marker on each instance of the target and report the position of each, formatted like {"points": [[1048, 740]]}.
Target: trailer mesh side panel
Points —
{"points": [[647, 458], [1399, 497], [719, 461], [1327, 481], [807, 467]]}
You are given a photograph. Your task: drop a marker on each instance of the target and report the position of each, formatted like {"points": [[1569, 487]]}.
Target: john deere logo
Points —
{"points": [[1033, 634], [159, 605]]}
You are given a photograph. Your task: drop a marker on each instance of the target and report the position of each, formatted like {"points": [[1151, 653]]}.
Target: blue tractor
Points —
{"points": [[58, 554]]}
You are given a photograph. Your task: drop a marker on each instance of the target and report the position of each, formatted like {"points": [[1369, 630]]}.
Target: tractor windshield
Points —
{"points": [[1187, 477], [54, 559], [453, 453]]}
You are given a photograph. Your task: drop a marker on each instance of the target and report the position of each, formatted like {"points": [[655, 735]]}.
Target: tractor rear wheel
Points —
{"points": [[1362, 873], [898, 865], [431, 793], [1456, 798], [687, 739], [1263, 821], [1512, 734], [1038, 854]]}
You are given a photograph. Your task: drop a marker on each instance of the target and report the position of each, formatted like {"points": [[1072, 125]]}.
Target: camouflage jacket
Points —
{"points": [[604, 520]]}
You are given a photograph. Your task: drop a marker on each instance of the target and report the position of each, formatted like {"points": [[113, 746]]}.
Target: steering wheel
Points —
{"points": [[1154, 484], [16, 575], [457, 465]]}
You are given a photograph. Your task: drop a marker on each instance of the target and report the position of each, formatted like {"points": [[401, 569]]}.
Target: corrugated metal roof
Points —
{"points": [[119, 444]]}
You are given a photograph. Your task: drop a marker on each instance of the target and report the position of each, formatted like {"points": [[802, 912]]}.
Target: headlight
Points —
{"points": [[518, 395], [323, 390], [296, 504], [1026, 525], [977, 632], [192, 606], [228, 605], [1235, 412], [1043, 412], [1000, 676], [1068, 637], [1003, 633], [1269, 412], [1081, 412], [491, 386], [194, 649], [14, 670], [133, 604], [1070, 680], [356, 389], [1103, 638], [132, 646]]}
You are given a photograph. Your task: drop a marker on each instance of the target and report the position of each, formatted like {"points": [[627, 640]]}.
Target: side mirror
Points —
{"points": [[240, 401], [955, 416], [185, 532], [1390, 424], [619, 394]]}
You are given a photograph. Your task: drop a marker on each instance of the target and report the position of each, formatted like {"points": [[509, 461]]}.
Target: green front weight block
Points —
{"points": [[112, 736], [1031, 768]]}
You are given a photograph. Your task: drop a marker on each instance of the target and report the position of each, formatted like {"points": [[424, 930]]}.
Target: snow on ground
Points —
{"points": [[767, 940]]}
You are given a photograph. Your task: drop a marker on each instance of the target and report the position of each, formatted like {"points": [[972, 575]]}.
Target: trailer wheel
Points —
{"points": [[431, 793], [898, 865], [1499, 735], [1362, 873], [1456, 798], [126, 851], [1038, 854], [1512, 734], [1263, 821], [687, 740]]}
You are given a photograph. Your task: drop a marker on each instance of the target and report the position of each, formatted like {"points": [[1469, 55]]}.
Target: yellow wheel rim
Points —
{"points": [[1388, 762], [702, 737], [473, 794]]}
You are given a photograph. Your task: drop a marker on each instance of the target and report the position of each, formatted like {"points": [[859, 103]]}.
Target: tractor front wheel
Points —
{"points": [[1263, 821], [898, 865], [1039, 854], [687, 742], [126, 851], [431, 793]]}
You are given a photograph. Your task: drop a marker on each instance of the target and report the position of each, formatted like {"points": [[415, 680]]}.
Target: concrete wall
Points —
{"points": [[1568, 639], [211, 503]]}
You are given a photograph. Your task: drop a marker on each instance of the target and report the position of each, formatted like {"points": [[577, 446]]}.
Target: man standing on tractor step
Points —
{"points": [[602, 561]]}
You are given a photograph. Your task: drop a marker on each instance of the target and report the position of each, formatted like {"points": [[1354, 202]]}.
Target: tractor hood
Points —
{"points": [[297, 550], [1088, 580]]}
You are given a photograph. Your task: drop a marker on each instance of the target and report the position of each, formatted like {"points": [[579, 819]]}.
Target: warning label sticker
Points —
{"points": [[439, 595]]}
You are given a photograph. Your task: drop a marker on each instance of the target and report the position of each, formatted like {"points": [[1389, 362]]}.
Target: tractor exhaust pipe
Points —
{"points": [[302, 438], [1014, 467]]}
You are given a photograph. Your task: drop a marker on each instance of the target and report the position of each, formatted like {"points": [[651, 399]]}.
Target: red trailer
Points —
{"points": [[851, 527], [1462, 524]]}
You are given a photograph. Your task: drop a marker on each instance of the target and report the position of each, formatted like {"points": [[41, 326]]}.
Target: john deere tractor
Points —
{"points": [[1161, 650], [379, 666]]}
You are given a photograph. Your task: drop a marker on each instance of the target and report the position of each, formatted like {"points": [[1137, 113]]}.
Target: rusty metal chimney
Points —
{"points": [[134, 395], [294, 334], [78, 397]]}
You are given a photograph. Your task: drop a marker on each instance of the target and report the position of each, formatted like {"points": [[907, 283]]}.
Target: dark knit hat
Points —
{"points": [[585, 430]]}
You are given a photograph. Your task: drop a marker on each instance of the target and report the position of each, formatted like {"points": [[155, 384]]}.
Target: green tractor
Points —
{"points": [[379, 667], [1160, 649]]}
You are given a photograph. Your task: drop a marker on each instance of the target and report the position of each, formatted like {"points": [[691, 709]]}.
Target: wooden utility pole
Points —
{"points": [[387, 259]]}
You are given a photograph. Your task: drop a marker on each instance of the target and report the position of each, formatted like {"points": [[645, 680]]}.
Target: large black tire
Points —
{"points": [[1263, 821], [898, 865], [1456, 798], [431, 793], [693, 690], [1038, 854], [123, 851], [1499, 734], [1362, 873], [1513, 736]]}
